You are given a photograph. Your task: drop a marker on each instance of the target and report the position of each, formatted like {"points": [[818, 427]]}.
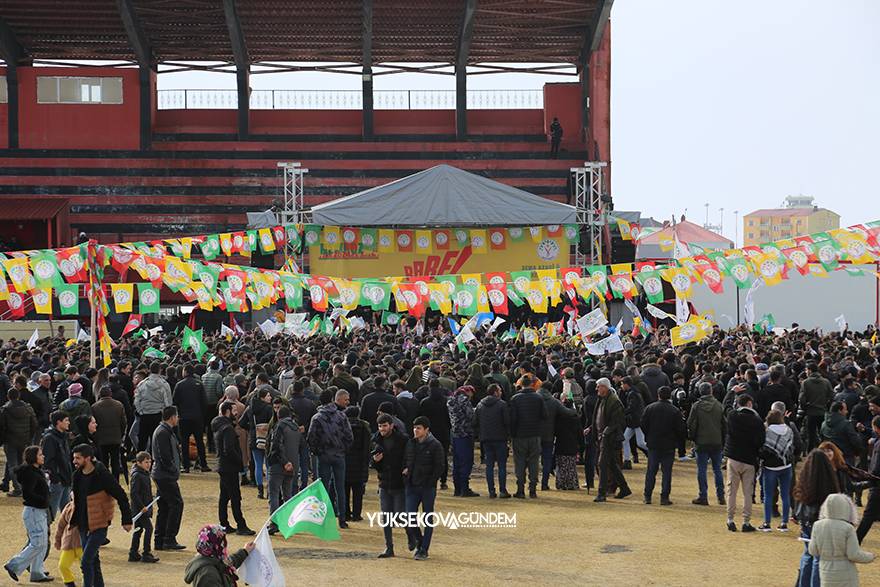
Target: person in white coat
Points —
{"points": [[834, 541]]}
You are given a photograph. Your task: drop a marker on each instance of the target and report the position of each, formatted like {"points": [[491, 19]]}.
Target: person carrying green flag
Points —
{"points": [[310, 511]]}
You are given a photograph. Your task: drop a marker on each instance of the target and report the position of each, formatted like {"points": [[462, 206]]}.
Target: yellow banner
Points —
{"points": [[548, 253]]}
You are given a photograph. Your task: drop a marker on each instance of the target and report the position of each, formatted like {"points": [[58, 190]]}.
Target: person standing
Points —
{"points": [[423, 464], [152, 395], [528, 410], [166, 473], [555, 410], [229, 466], [212, 382], [389, 447], [255, 420], [93, 493], [357, 464], [815, 396], [872, 508], [370, 402], [35, 492], [492, 424], [189, 397], [18, 425], [461, 416], [303, 409], [608, 421], [67, 541], [555, 137], [56, 456], [109, 415], [777, 456], [745, 437], [435, 410], [634, 406], [707, 427], [141, 491], [329, 438], [664, 430], [282, 458], [816, 481], [835, 543], [567, 432]]}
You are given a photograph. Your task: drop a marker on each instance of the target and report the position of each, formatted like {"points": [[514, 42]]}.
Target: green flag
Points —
{"points": [[599, 274], [312, 234], [293, 291], [514, 297], [148, 299], [571, 234], [209, 275], [652, 285], [309, 511], [828, 253], [154, 353], [766, 324], [739, 271], [293, 238], [252, 241], [466, 300], [211, 247], [522, 280], [390, 319], [516, 234], [193, 340], [45, 266], [369, 239], [376, 295], [68, 299]]}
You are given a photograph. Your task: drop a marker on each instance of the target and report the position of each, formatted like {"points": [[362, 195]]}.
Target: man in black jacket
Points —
{"points": [[370, 403], [388, 453], [424, 462], [303, 409], [664, 430], [634, 406], [229, 463], [872, 508], [527, 414], [492, 424], [56, 455], [166, 472], [18, 426], [190, 399], [745, 437], [434, 409]]}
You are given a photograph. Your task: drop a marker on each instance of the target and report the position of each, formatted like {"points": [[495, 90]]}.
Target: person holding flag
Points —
{"points": [[213, 566]]}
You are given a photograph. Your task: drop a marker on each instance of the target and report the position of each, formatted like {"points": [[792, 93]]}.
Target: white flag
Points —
{"points": [[592, 322], [260, 568], [840, 320], [226, 331], [269, 328], [729, 319], [550, 368], [611, 344], [465, 335], [498, 322], [420, 327], [680, 250], [682, 311], [32, 341], [82, 336], [749, 305], [658, 313]]}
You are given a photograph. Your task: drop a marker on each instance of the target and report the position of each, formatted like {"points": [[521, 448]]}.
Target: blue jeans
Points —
{"points": [[91, 561], [495, 452], [392, 501], [769, 481], [703, 457], [425, 497], [331, 469], [640, 442], [59, 495], [259, 457], [808, 574], [462, 463], [304, 466], [546, 462], [36, 522]]}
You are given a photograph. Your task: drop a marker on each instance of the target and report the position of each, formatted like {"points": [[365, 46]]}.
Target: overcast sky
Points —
{"points": [[735, 104]]}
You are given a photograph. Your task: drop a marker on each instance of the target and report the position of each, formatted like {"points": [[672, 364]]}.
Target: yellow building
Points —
{"points": [[772, 224]]}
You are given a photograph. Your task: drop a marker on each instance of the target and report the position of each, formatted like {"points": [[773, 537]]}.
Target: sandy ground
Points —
{"points": [[562, 537]]}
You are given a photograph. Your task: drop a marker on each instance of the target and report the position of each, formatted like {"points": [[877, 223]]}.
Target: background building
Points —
{"points": [[798, 216]]}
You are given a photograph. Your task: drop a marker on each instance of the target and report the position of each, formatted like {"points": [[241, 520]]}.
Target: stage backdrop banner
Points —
{"points": [[548, 253]]}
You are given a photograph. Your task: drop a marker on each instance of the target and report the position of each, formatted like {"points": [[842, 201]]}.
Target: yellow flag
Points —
{"points": [[666, 244], [349, 293], [423, 241], [536, 233], [768, 267], [202, 296], [687, 332], [123, 294], [178, 270], [471, 279], [856, 248], [483, 299], [624, 228], [621, 268], [226, 243], [680, 279], [479, 245], [440, 297], [186, 244], [331, 238], [386, 240], [42, 301], [17, 270], [536, 297], [817, 270]]}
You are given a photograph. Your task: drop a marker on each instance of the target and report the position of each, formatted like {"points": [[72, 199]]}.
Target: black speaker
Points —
{"points": [[263, 261]]}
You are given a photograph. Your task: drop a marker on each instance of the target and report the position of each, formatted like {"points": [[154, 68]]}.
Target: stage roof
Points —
{"points": [[524, 31], [443, 196]]}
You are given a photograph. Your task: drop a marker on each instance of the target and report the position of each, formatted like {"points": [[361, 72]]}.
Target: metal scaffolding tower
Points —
{"points": [[294, 209], [589, 202]]}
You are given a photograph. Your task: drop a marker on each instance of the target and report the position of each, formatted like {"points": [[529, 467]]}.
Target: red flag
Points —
{"points": [[404, 240], [328, 285], [569, 276], [498, 277], [351, 238], [134, 322], [15, 301], [121, 259], [497, 293], [72, 265], [280, 236], [237, 281], [411, 292], [497, 239], [711, 277], [635, 231], [155, 270], [799, 257], [645, 266], [554, 230], [317, 294], [441, 239], [239, 242]]}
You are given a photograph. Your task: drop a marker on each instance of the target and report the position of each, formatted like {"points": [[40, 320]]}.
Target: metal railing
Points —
{"points": [[350, 99]]}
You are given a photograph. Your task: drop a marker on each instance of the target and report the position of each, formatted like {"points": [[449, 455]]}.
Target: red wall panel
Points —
{"points": [[78, 126], [563, 101]]}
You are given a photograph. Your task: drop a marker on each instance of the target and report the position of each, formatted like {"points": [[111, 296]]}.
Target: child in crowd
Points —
{"points": [[67, 541], [141, 496]]}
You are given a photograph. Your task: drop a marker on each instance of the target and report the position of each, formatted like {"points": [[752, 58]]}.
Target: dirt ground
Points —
{"points": [[560, 538]]}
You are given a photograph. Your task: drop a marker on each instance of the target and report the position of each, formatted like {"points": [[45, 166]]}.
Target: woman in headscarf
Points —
{"points": [[835, 543], [83, 431], [816, 481], [213, 566], [477, 380]]}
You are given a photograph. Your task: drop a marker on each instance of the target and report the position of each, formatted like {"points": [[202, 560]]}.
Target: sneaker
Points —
{"points": [[504, 495], [627, 465], [412, 545], [731, 526], [14, 493], [387, 553], [492, 495], [599, 498], [205, 469], [134, 557], [149, 558], [748, 528], [519, 495], [343, 525], [11, 572], [783, 527], [765, 527], [721, 500], [173, 546], [647, 501], [700, 501], [545, 487], [685, 458], [625, 492], [665, 501], [469, 493], [43, 579], [533, 494], [244, 531], [420, 555]]}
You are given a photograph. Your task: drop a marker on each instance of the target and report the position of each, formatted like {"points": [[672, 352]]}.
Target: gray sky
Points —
{"points": [[735, 104]]}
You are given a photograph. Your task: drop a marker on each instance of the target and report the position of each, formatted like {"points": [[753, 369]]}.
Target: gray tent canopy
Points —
{"points": [[443, 196]]}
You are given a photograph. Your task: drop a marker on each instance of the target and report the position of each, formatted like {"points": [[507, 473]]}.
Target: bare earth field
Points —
{"points": [[560, 538]]}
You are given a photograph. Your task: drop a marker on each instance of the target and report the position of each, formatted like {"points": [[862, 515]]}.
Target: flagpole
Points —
{"points": [[92, 329]]}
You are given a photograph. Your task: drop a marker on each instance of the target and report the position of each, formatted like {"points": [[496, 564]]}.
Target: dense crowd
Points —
{"points": [[793, 419]]}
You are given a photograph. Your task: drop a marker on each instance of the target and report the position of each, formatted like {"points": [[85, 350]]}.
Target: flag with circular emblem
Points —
{"points": [[350, 238], [148, 299], [497, 239], [404, 239], [68, 299], [42, 299], [442, 238], [123, 296], [134, 322]]}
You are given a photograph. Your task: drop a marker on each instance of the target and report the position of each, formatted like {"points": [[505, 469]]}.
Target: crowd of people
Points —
{"points": [[793, 419]]}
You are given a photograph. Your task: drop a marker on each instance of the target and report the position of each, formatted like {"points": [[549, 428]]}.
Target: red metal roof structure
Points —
{"points": [[31, 208]]}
